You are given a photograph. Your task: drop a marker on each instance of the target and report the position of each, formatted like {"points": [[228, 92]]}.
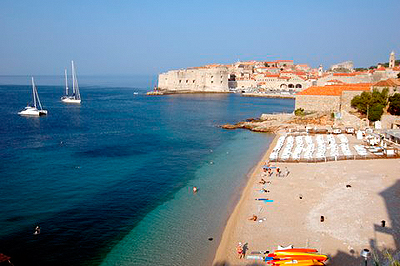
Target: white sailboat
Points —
{"points": [[33, 110], [76, 96]]}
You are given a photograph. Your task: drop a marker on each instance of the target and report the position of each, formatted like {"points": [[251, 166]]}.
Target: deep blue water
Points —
{"points": [[92, 175]]}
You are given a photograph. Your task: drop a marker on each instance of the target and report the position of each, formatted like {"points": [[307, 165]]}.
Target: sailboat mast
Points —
{"points": [[73, 77], [33, 93], [66, 82]]}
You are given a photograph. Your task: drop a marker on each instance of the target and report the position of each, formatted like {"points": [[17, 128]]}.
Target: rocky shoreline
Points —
{"points": [[272, 123]]}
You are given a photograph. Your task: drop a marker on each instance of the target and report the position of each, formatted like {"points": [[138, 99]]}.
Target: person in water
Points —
{"points": [[37, 230]]}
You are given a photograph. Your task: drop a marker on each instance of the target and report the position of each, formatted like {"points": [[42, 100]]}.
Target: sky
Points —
{"points": [[147, 37]]}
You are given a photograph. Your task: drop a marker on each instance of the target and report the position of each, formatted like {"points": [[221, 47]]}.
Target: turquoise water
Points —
{"points": [[180, 227], [109, 181]]}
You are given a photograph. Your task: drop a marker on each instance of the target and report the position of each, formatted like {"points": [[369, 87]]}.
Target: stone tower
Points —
{"points": [[391, 60], [320, 71]]}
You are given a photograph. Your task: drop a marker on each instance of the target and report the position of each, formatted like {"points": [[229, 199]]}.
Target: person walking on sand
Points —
{"points": [[239, 250], [287, 172]]}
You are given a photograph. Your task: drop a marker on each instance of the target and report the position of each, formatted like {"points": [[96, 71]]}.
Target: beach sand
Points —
{"points": [[354, 197]]}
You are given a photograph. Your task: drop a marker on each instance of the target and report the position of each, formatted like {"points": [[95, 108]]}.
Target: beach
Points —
{"points": [[358, 199]]}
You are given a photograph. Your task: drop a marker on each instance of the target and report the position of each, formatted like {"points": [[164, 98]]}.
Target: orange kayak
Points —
{"points": [[297, 256], [298, 262], [307, 250]]}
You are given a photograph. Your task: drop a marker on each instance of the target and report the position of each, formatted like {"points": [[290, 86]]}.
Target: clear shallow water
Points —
{"points": [[109, 181]]}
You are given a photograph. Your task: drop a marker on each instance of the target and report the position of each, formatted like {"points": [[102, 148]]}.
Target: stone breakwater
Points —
{"points": [[169, 92], [274, 122]]}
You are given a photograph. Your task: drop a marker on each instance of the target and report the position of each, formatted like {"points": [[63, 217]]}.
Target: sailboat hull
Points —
{"points": [[32, 111], [66, 99]]}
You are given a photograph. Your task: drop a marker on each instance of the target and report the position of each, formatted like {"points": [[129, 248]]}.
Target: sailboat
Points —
{"points": [[33, 110], [76, 96]]}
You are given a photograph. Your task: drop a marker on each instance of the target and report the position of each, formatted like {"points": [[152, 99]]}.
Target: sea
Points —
{"points": [[110, 181]]}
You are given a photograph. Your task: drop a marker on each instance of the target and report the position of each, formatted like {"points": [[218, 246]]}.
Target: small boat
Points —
{"points": [[76, 96], [5, 259], [306, 250], [285, 255], [299, 262], [33, 110]]}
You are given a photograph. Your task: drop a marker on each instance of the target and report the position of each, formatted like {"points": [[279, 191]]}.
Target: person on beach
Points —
{"points": [[239, 250], [253, 218], [287, 172], [262, 181], [278, 171]]}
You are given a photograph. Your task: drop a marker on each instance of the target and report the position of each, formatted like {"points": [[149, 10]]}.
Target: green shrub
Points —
{"points": [[299, 112]]}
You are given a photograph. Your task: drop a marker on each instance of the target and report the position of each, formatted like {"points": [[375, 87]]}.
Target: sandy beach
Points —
{"points": [[355, 197]]}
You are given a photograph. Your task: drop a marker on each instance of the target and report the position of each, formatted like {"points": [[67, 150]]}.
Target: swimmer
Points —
{"points": [[37, 230], [195, 189]]}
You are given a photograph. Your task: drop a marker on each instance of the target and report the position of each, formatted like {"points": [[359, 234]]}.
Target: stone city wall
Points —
{"points": [[194, 80], [318, 103], [346, 79], [345, 99]]}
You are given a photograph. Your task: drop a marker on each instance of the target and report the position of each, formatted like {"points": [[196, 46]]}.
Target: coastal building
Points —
{"points": [[275, 77], [343, 67], [392, 84], [392, 60], [330, 98], [211, 78]]}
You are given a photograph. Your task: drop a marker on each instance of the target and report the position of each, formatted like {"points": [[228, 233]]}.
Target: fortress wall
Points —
{"points": [[194, 80], [318, 103], [345, 99], [345, 79]]}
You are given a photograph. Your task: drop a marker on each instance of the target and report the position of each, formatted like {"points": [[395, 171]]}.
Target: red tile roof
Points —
{"points": [[335, 90], [336, 81], [344, 74], [388, 83]]}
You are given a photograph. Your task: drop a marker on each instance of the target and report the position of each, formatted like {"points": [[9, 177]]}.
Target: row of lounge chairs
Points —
{"points": [[303, 148]]}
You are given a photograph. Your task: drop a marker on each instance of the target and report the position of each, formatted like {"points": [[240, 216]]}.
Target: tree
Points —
{"points": [[379, 97], [394, 104], [375, 112], [371, 103], [362, 102]]}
